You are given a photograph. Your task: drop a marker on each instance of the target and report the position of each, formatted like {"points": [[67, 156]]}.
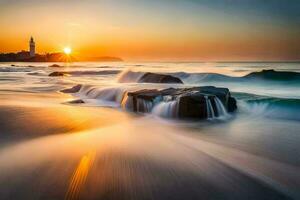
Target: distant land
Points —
{"points": [[24, 56], [103, 59]]}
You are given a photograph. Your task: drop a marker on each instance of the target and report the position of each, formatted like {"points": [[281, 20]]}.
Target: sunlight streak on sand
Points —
{"points": [[80, 175]]}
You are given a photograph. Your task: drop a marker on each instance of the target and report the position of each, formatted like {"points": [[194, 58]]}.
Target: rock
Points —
{"points": [[55, 65], [193, 106], [76, 101], [158, 78], [142, 97], [74, 89], [274, 75], [58, 74], [231, 104], [194, 103]]}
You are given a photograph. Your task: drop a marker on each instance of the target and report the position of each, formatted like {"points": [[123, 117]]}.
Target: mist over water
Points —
{"points": [[53, 148]]}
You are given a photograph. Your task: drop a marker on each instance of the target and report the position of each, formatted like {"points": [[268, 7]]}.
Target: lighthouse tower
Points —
{"points": [[32, 47]]}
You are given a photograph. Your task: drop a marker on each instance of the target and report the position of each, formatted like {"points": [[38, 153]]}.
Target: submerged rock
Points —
{"points": [[158, 78], [74, 89], [58, 74], [76, 101], [195, 103], [55, 65]]}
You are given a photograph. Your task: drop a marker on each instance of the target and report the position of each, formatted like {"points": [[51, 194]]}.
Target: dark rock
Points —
{"points": [[158, 78], [55, 65], [58, 74], [231, 104], [274, 75], [76, 101], [147, 96], [192, 106], [74, 89], [195, 103]]}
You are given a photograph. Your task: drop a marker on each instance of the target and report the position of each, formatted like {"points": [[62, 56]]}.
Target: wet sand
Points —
{"points": [[72, 152], [52, 149]]}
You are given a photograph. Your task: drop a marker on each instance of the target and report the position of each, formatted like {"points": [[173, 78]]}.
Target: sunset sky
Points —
{"points": [[156, 29]]}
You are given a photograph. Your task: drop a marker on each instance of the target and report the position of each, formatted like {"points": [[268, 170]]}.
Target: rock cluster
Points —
{"points": [[182, 103], [196, 103]]}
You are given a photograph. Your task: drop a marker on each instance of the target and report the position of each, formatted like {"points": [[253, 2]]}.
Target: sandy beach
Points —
{"points": [[53, 149]]}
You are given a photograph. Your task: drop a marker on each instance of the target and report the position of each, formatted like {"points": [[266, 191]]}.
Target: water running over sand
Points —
{"points": [[53, 149]]}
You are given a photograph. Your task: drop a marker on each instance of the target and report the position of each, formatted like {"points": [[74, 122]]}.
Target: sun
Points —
{"points": [[67, 50]]}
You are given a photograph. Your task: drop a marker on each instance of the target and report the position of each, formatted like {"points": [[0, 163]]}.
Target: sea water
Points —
{"points": [[53, 148]]}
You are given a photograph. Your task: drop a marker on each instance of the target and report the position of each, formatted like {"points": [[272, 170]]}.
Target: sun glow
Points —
{"points": [[67, 50]]}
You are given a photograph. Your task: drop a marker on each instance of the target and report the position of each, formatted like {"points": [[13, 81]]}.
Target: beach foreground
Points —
{"points": [[53, 149]]}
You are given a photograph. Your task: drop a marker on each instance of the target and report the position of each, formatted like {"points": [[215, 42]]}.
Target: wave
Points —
{"points": [[109, 97], [249, 104], [129, 76], [109, 94], [264, 75], [15, 69], [192, 78], [205, 77], [37, 73], [163, 105], [274, 75], [104, 72], [84, 73], [272, 107]]}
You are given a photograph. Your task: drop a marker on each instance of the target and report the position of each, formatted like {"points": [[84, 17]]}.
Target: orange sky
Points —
{"points": [[147, 31]]}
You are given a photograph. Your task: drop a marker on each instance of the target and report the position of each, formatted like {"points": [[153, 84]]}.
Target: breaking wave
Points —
{"points": [[272, 107], [129, 76], [83, 73], [254, 105], [110, 97], [163, 105], [264, 75], [15, 69]]}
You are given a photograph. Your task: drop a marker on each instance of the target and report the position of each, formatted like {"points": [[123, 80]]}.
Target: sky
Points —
{"points": [[195, 30]]}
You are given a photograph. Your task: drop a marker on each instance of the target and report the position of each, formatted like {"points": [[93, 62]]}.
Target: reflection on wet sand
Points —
{"points": [[138, 160], [21, 119], [79, 177]]}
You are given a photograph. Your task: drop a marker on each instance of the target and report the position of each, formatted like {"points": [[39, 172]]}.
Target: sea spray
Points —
{"points": [[196, 102], [209, 108], [144, 106], [129, 76], [165, 106], [108, 94], [271, 107], [167, 109], [221, 110]]}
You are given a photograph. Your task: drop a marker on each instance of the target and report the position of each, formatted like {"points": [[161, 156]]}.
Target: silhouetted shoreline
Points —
{"points": [[23, 56]]}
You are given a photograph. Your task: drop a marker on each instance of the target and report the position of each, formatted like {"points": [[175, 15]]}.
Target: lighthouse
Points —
{"points": [[32, 47]]}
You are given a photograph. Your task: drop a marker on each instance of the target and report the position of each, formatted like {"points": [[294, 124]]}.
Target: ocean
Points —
{"points": [[52, 147]]}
